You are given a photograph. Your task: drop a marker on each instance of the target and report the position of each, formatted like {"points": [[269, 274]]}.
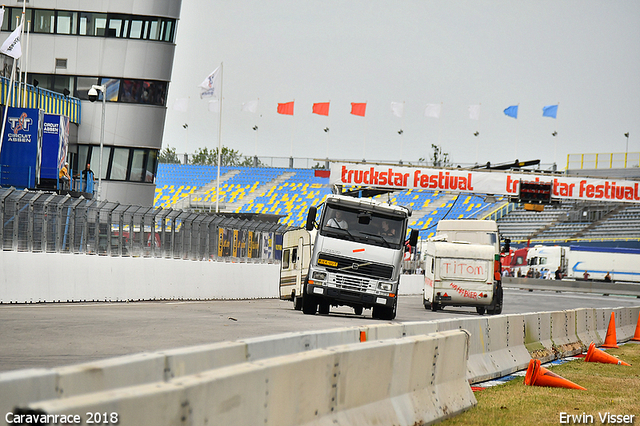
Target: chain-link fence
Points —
{"points": [[51, 223]]}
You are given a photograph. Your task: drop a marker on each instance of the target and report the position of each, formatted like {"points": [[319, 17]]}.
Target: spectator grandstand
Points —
{"points": [[290, 192]]}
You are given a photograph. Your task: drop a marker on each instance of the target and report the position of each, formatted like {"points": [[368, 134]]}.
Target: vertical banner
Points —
{"points": [[254, 245], [236, 246], [52, 145], [224, 242], [243, 243], [277, 254], [21, 148], [267, 245]]}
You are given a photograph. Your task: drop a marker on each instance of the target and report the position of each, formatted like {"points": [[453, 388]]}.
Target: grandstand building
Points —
{"points": [[128, 47]]}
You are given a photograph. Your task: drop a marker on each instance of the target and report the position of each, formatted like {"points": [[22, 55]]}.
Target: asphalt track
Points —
{"points": [[51, 335]]}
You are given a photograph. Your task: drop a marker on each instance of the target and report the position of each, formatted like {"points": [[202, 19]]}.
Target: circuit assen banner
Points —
{"points": [[481, 182]]}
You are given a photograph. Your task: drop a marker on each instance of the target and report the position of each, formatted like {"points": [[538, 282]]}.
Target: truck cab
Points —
{"points": [[357, 256]]}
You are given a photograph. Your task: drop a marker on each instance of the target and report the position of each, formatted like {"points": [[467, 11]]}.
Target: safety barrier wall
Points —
{"points": [[498, 345], [593, 287], [413, 380], [53, 277]]}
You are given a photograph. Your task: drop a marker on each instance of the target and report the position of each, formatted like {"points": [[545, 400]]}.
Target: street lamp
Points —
{"points": [[93, 96]]}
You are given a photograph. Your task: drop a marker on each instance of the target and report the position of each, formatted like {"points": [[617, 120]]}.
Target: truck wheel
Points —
{"points": [[323, 308], [427, 304], [497, 305], [384, 312], [358, 310], [434, 307], [297, 302], [480, 310], [309, 304]]}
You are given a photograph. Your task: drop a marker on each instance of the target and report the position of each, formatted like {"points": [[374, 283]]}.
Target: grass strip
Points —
{"points": [[611, 389]]}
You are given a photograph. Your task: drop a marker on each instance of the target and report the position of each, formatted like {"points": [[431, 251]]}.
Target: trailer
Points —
{"points": [[622, 264]]}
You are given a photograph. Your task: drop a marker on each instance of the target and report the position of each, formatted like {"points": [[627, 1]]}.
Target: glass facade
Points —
{"points": [[69, 22], [121, 90], [119, 163]]}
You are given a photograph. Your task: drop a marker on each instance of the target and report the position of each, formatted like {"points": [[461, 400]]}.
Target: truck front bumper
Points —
{"points": [[339, 296]]}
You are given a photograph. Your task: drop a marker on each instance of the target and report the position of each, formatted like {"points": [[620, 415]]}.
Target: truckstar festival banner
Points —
{"points": [[485, 182]]}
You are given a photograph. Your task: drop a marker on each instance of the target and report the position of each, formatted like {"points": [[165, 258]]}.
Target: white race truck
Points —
{"points": [[622, 264], [462, 266], [354, 258]]}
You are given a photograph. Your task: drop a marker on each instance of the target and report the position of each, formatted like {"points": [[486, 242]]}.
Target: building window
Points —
{"points": [[92, 24], [119, 163], [67, 22], [44, 21]]}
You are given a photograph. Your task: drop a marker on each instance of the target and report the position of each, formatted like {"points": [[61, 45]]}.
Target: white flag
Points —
{"points": [[181, 104], [474, 112], [433, 110], [211, 85], [11, 46], [214, 106], [251, 106], [397, 108]]}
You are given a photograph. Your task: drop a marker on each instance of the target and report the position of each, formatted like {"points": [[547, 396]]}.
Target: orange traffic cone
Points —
{"points": [[537, 375], [636, 336], [596, 355], [610, 341]]}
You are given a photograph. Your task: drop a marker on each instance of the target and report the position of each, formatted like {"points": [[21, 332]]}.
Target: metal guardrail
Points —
{"points": [[593, 287], [36, 221]]}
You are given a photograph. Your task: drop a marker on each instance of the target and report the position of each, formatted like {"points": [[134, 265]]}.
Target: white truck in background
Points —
{"points": [[622, 264], [462, 266], [354, 258]]}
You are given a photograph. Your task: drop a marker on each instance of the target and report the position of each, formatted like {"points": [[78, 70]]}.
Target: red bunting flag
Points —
{"points": [[321, 108], [358, 108], [286, 108]]}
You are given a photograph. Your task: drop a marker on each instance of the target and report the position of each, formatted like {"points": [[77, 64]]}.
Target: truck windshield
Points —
{"points": [[363, 226]]}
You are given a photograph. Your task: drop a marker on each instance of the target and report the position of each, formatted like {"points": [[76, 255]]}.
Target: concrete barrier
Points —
{"points": [[537, 336], [412, 380], [586, 327], [36, 277], [563, 334]]}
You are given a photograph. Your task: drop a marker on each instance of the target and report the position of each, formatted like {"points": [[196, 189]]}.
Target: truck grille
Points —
{"points": [[355, 266], [352, 283]]}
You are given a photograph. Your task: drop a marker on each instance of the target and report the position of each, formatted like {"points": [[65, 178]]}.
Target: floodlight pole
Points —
{"points": [[103, 90]]}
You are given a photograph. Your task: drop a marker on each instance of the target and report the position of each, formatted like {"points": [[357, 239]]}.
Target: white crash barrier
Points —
{"points": [[537, 337], [563, 334], [36, 277], [586, 326], [413, 380], [411, 284]]}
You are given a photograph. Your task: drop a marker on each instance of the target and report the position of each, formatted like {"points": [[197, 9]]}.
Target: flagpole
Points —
{"points": [[7, 103], [401, 132], [26, 62], [219, 145], [364, 142], [19, 99], [256, 129], [291, 151]]}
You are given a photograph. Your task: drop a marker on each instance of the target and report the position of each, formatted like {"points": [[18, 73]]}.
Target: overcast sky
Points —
{"points": [[582, 54]]}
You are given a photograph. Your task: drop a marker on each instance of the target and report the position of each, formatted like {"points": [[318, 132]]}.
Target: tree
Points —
{"points": [[168, 155], [228, 157], [438, 158]]}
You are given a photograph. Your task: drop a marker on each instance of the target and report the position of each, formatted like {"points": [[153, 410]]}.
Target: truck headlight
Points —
{"points": [[319, 275], [385, 286]]}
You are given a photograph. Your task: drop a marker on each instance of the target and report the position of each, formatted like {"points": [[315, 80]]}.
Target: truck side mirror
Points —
{"points": [[311, 218], [413, 238]]}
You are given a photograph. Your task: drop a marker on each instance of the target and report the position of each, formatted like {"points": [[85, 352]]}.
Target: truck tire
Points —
{"points": [[384, 312], [309, 304], [434, 306], [323, 308], [496, 308], [480, 310], [358, 310], [297, 301], [427, 304]]}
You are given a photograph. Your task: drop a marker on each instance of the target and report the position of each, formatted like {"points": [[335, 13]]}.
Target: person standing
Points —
{"points": [[558, 274], [64, 177]]}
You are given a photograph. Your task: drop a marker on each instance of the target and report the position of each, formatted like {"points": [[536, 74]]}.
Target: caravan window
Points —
{"points": [[294, 255], [285, 259]]}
